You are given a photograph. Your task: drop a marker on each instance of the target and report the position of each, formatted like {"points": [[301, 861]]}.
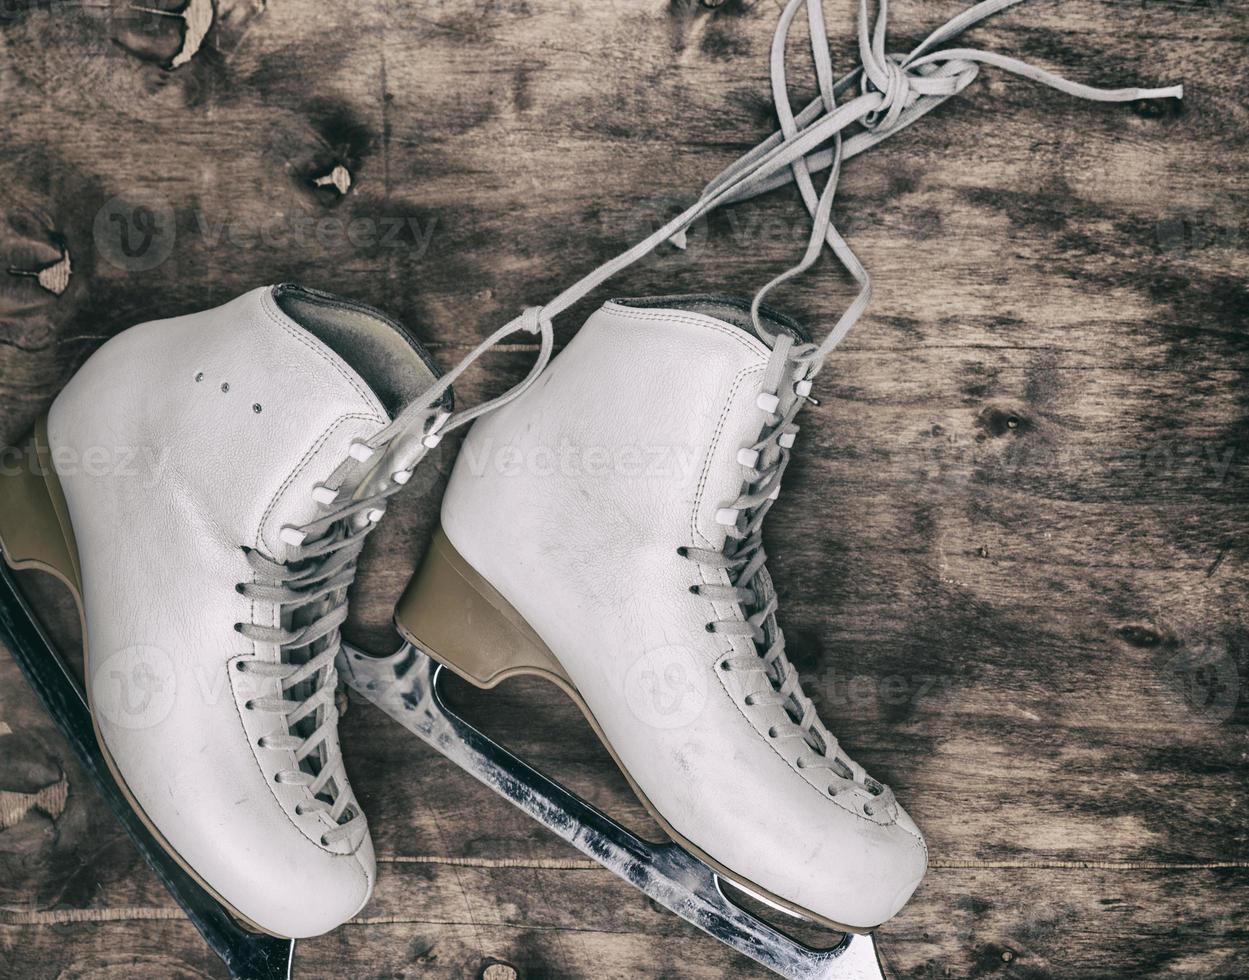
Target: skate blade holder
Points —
{"points": [[404, 685], [246, 954]]}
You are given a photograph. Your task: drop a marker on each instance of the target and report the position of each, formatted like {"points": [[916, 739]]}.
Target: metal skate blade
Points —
{"points": [[404, 686], [762, 900], [247, 955]]}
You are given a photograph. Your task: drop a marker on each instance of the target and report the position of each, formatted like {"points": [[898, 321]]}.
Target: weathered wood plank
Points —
{"points": [[1012, 549]]}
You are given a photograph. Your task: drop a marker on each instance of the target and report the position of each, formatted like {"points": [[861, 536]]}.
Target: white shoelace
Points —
{"points": [[893, 91]]}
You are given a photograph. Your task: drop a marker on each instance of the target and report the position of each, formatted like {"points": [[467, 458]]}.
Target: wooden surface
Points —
{"points": [[1012, 549]]}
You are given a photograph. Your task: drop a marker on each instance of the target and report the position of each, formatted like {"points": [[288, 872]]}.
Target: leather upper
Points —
{"points": [[179, 443], [572, 502]]}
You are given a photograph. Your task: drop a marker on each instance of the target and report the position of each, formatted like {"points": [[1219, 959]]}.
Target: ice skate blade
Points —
{"points": [[35, 534], [404, 686], [454, 615]]}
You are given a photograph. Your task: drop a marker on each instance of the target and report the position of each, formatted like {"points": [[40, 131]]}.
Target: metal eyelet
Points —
{"points": [[694, 589], [711, 627], [240, 666]]}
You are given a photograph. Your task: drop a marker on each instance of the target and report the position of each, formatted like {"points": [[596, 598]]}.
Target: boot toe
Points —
{"points": [[838, 866], [299, 895], [869, 878]]}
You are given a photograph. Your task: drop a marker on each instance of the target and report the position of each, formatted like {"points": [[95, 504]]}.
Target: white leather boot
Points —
{"points": [[184, 455], [604, 530]]}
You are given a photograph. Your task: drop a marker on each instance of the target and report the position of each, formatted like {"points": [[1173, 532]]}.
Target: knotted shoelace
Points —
{"points": [[894, 91], [891, 91]]}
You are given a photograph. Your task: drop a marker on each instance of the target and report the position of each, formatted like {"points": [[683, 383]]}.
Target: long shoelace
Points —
{"points": [[893, 91]]}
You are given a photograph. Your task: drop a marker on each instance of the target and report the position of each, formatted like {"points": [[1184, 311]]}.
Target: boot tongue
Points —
{"points": [[351, 369], [391, 363]]}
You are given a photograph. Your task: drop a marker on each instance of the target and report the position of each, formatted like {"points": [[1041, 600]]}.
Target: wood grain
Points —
{"points": [[1012, 549]]}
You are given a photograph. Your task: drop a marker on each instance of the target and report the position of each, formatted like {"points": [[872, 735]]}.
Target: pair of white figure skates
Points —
{"points": [[213, 581]]}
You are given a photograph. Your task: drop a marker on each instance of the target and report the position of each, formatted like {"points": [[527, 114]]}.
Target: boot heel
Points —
{"points": [[460, 619], [34, 520]]}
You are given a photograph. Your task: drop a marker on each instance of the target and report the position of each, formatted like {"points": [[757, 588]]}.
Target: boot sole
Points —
{"points": [[451, 612], [35, 534]]}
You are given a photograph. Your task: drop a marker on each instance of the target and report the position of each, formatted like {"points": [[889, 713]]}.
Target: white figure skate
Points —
{"points": [[639, 586], [607, 582], [183, 485]]}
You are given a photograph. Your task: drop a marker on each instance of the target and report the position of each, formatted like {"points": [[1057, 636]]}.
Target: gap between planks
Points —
{"points": [[14, 917], [1024, 864]]}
